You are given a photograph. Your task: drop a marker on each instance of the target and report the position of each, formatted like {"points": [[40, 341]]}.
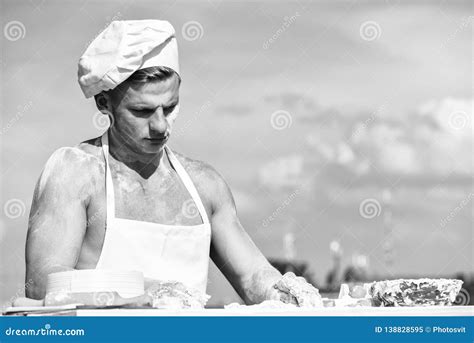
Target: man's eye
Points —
{"points": [[146, 111], [169, 109], [142, 112]]}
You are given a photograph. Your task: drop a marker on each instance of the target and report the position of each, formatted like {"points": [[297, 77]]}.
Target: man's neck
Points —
{"points": [[142, 163]]}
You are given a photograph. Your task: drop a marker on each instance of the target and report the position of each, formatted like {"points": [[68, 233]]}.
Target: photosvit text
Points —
{"points": [[419, 329]]}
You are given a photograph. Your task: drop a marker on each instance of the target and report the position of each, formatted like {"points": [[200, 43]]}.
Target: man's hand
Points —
{"points": [[291, 289]]}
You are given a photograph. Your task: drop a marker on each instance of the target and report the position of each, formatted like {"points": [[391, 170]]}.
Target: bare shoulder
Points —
{"points": [[199, 171], [72, 167], [210, 184]]}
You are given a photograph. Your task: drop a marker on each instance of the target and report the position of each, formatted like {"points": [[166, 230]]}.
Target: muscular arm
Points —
{"points": [[57, 221], [233, 251]]}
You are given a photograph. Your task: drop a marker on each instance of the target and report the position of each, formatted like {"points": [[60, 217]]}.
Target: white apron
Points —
{"points": [[161, 252]]}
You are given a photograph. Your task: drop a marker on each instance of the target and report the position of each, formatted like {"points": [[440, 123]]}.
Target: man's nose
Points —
{"points": [[158, 122]]}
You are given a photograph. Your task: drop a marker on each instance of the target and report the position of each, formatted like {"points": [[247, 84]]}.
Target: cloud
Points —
{"points": [[287, 171], [447, 148], [430, 144], [452, 115], [435, 140], [291, 100]]}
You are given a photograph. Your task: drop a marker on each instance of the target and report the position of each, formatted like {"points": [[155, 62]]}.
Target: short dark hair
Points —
{"points": [[158, 73]]}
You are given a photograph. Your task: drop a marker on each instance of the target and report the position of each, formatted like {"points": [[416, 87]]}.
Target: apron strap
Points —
{"points": [[109, 185], [188, 183]]}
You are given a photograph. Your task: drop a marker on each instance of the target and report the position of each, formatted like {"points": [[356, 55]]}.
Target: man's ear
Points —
{"points": [[102, 101]]}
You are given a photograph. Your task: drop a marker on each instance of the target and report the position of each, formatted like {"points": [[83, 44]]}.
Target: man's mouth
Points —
{"points": [[157, 140]]}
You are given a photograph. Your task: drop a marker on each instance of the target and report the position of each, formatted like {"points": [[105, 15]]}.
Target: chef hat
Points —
{"points": [[124, 47]]}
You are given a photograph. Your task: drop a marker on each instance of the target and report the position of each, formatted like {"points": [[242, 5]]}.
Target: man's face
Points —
{"points": [[144, 113]]}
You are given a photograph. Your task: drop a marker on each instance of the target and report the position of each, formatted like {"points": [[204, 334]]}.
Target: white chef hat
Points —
{"points": [[124, 47]]}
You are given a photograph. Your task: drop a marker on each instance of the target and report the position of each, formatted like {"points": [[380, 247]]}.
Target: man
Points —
{"points": [[125, 200]]}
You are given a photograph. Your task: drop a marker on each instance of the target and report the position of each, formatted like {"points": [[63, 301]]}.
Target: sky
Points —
{"points": [[309, 109]]}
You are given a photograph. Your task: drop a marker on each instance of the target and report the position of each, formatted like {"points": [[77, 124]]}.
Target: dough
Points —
{"points": [[305, 294], [416, 292], [175, 295]]}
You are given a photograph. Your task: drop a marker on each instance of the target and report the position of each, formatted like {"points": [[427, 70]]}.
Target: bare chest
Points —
{"points": [[162, 199]]}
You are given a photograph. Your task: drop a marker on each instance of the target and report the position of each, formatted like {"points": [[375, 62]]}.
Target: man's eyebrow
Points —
{"points": [[174, 102], [140, 106]]}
